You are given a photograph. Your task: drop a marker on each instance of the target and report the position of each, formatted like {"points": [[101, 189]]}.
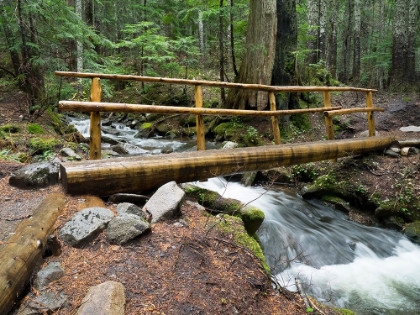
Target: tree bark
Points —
{"points": [[332, 42], [313, 20], [399, 44], [356, 40], [258, 61], [284, 70]]}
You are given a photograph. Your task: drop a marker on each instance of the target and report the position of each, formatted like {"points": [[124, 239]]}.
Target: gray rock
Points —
{"points": [[48, 301], [35, 175], [70, 153], [129, 208], [392, 153], [410, 129], [165, 202], [85, 225], [133, 198], [366, 134], [229, 145], [53, 271], [124, 228], [248, 178], [107, 298]]}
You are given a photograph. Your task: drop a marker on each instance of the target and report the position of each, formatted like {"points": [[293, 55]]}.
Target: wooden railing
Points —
{"points": [[95, 106]]}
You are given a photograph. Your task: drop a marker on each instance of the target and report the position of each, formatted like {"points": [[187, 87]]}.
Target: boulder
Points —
{"points": [[129, 208], [48, 302], [107, 298], [165, 202], [85, 225], [126, 227], [35, 175], [71, 154], [53, 271]]}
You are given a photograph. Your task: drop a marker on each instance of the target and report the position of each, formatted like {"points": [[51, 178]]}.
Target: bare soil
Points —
{"points": [[194, 268]]}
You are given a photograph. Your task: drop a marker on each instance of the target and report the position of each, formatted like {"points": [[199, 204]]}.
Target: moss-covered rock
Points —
{"points": [[412, 231], [10, 129], [252, 217], [235, 227]]}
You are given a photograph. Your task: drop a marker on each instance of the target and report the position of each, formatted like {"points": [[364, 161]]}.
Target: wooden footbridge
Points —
{"points": [[135, 174]]}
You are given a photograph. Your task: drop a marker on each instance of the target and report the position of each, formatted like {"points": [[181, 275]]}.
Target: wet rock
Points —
{"points": [[35, 175], [124, 228], [230, 145], [412, 231], [248, 178], [165, 202], [53, 271], [106, 298], [410, 129], [392, 153], [85, 225]]}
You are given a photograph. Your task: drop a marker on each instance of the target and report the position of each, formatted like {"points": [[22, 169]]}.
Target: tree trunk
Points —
{"points": [[257, 64], [313, 20], [232, 39], [221, 52], [323, 15], [284, 70], [413, 10], [356, 41], [332, 42], [399, 44]]}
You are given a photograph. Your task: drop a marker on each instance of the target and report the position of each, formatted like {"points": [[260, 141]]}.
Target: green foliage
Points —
{"points": [[10, 129], [43, 146], [34, 129], [8, 155]]}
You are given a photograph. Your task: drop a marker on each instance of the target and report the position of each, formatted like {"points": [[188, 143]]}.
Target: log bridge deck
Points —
{"points": [[135, 174]]}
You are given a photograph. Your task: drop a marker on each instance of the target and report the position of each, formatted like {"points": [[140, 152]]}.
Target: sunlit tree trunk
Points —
{"points": [[257, 64], [79, 44], [323, 15]]}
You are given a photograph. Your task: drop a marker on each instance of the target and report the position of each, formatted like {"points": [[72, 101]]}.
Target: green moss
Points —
{"points": [[146, 125], [34, 129], [10, 129], [234, 226], [252, 217], [40, 145]]}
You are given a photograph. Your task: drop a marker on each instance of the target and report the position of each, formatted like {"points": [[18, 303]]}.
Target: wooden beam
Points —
{"points": [[347, 111], [260, 87], [328, 120], [137, 174], [199, 128], [22, 251], [95, 121], [140, 108], [274, 118], [370, 117]]}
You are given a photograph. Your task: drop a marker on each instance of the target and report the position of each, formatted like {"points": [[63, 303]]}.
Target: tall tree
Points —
{"points": [[258, 61], [284, 69], [356, 40]]}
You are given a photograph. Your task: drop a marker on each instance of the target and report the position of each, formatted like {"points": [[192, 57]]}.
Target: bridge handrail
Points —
{"points": [[95, 106]]}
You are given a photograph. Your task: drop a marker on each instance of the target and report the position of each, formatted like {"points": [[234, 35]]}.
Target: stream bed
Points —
{"points": [[369, 270]]}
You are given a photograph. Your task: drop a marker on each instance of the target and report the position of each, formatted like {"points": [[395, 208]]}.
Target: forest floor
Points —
{"points": [[195, 268]]}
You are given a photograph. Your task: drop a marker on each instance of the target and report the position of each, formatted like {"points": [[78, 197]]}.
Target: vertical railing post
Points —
{"points": [[274, 118], [370, 117], [328, 120], [95, 122], [200, 132]]}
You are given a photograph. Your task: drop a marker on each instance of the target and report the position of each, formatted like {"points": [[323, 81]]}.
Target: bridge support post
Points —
{"points": [[328, 120], [274, 119], [370, 117], [200, 132], [95, 121]]}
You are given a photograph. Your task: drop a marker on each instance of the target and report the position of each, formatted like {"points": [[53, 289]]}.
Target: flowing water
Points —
{"points": [[339, 262], [367, 269]]}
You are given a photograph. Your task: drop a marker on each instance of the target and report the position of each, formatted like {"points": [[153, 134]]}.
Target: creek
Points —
{"points": [[370, 270]]}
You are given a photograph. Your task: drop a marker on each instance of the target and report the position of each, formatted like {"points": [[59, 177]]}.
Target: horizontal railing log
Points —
{"points": [[218, 84], [158, 109], [139, 174], [347, 111]]}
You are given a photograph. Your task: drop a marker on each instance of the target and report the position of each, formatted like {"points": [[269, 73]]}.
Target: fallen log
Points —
{"points": [[137, 174], [22, 251]]}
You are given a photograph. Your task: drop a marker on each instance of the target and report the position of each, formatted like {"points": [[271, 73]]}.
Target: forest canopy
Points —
{"points": [[357, 42]]}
